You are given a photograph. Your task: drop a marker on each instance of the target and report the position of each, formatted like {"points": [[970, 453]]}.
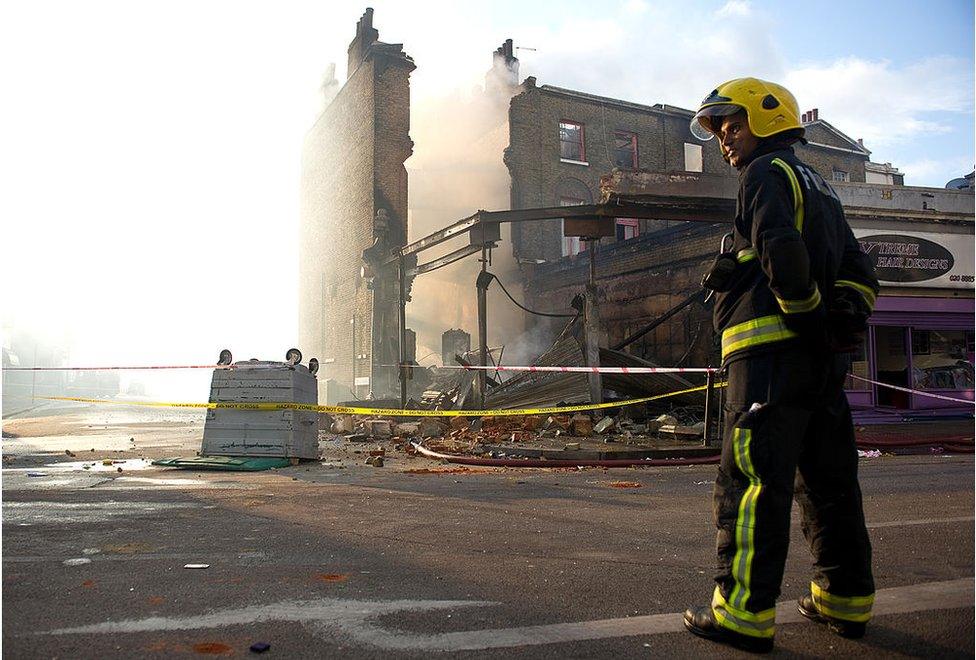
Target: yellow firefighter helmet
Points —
{"points": [[770, 108]]}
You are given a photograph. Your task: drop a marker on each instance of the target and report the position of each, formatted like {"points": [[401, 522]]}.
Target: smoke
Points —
{"points": [[457, 169]]}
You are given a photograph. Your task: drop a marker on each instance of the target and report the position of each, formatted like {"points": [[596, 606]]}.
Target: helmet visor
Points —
{"points": [[701, 124]]}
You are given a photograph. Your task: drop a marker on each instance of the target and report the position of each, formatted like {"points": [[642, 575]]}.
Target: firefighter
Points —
{"points": [[793, 295]]}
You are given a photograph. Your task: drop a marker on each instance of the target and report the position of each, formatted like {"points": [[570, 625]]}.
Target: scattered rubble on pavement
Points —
{"points": [[373, 441]]}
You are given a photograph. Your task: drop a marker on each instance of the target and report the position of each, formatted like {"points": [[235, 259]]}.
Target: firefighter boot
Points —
{"points": [[700, 621], [848, 629]]}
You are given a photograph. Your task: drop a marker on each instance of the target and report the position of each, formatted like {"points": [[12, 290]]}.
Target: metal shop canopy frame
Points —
{"points": [[588, 221]]}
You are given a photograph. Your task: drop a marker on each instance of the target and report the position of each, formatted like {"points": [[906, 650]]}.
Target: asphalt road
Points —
{"points": [[321, 561]]}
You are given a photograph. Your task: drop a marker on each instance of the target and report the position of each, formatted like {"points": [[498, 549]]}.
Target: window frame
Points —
{"points": [[568, 243], [634, 149], [633, 223], [581, 143], [700, 154]]}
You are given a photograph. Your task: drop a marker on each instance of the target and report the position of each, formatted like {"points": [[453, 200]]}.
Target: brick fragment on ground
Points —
{"points": [[581, 425]]}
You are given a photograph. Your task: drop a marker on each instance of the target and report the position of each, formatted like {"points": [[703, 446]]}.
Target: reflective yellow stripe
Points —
{"points": [[745, 522], [847, 608], [754, 624], [866, 292], [797, 192], [747, 254], [763, 330], [808, 304]]}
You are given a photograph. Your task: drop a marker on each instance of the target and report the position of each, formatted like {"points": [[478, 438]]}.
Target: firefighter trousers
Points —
{"points": [[788, 431]]}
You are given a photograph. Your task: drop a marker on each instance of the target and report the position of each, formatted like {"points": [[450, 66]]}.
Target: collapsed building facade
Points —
{"points": [[354, 198], [569, 148]]}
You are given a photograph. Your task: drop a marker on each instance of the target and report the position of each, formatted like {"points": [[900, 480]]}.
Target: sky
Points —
{"points": [[150, 151]]}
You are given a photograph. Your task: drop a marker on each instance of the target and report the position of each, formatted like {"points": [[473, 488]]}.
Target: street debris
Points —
{"points": [[331, 577], [196, 566], [869, 453], [212, 648], [260, 647], [78, 561], [603, 425]]}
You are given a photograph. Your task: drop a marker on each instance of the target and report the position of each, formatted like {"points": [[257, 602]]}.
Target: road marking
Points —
{"points": [[37, 513], [180, 557], [353, 618], [920, 521]]}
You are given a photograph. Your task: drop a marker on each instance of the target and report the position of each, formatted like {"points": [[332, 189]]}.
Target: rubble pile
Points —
{"points": [[524, 436]]}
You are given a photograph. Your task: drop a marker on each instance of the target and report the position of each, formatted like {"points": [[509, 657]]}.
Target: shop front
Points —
{"points": [[921, 341]]}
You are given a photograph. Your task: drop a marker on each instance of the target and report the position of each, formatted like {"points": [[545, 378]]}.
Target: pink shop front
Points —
{"points": [[922, 342]]}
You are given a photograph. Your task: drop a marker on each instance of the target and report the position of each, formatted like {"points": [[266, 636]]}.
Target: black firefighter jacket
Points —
{"points": [[800, 275]]}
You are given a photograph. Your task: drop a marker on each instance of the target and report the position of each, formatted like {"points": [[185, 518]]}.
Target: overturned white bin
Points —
{"points": [[262, 433]]}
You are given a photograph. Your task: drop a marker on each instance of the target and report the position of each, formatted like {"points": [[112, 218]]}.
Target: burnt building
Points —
{"points": [[568, 148], [564, 143], [354, 198], [564, 148]]}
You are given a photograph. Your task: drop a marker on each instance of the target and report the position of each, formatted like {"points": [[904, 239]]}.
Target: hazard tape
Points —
{"points": [[587, 370], [142, 368], [387, 412], [918, 392]]}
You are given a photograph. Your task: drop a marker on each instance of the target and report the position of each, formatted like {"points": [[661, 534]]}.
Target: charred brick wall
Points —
{"points": [[353, 194], [638, 281]]}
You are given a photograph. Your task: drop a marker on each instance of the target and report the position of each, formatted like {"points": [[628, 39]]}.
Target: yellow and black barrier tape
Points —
{"points": [[386, 412]]}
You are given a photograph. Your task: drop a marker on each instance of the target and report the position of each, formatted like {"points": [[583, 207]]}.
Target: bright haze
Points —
{"points": [[150, 151]]}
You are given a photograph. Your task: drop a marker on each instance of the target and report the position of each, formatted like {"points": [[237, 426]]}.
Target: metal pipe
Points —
{"points": [[709, 389], [591, 248], [551, 463], [480, 378], [402, 303], [352, 322]]}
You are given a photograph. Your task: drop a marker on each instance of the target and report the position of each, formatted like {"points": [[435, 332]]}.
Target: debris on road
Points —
{"points": [[603, 425], [78, 561], [195, 566], [260, 647]]}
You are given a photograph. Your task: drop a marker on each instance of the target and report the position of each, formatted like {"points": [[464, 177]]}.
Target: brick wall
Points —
{"points": [[540, 178], [392, 146], [352, 166], [638, 281], [825, 160]]}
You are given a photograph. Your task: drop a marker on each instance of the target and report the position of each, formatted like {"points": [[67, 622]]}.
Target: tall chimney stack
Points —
{"points": [[365, 37], [504, 70]]}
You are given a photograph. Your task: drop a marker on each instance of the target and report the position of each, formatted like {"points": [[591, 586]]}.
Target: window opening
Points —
{"points": [[571, 244], [627, 228], [625, 150], [942, 359], [571, 145], [693, 157]]}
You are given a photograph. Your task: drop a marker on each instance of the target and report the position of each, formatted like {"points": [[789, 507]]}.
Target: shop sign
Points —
{"points": [[920, 259]]}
